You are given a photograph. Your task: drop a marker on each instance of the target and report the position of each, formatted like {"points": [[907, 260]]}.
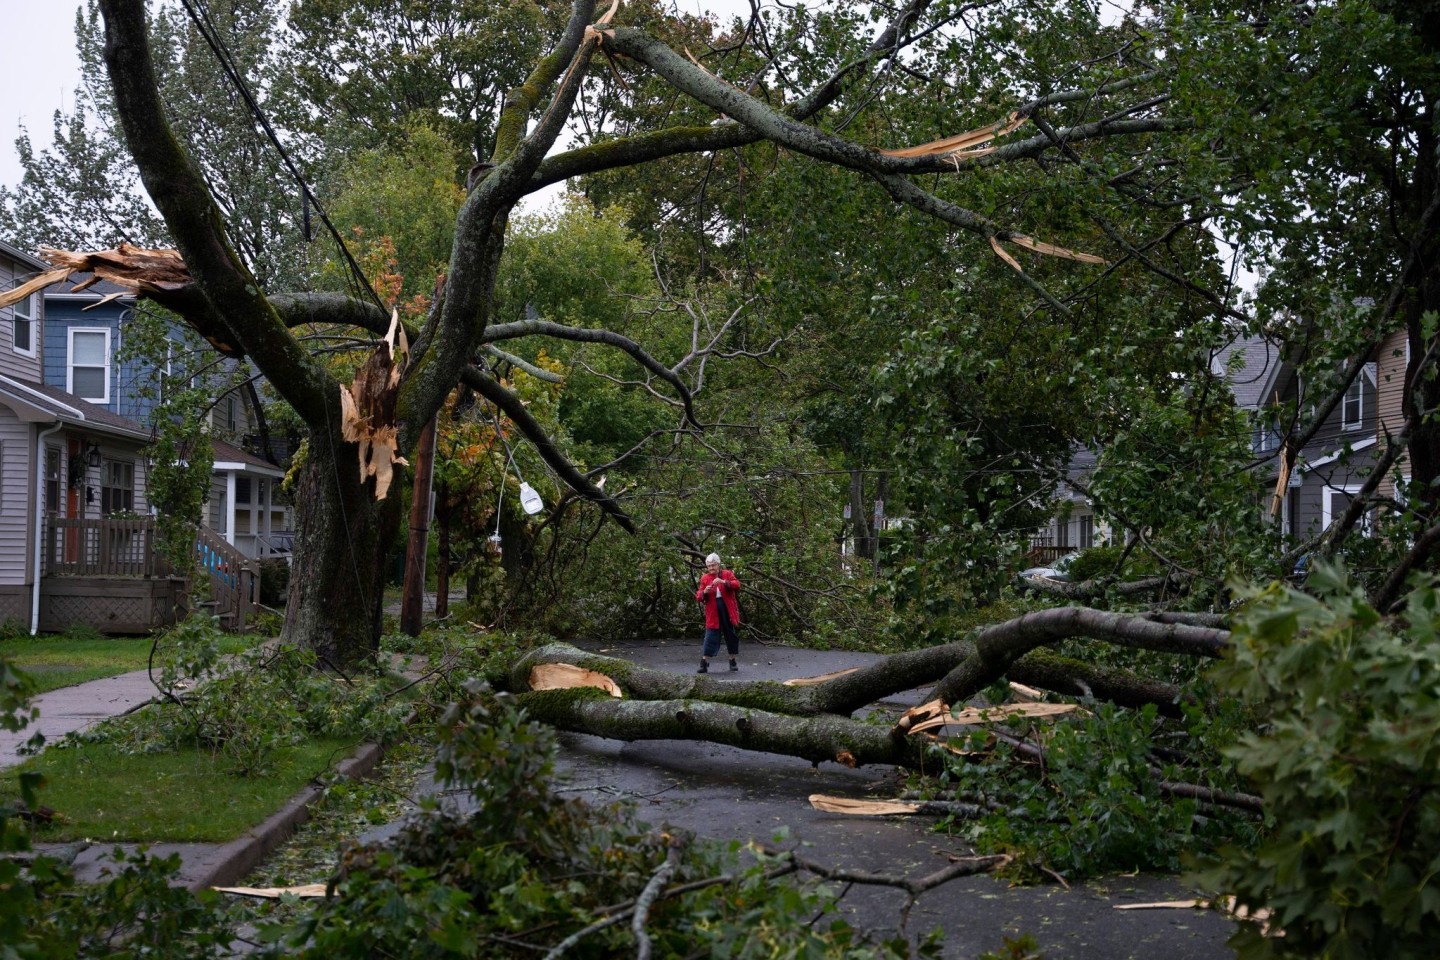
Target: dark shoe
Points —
{"points": [[704, 667], [733, 665]]}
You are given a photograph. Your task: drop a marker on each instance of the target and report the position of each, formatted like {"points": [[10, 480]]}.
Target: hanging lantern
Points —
{"points": [[529, 499]]}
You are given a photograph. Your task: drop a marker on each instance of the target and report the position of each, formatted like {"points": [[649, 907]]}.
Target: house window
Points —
{"points": [[89, 374], [23, 338], [1087, 531], [1352, 408], [231, 418], [52, 479], [1337, 501], [1062, 533], [117, 487], [242, 490]]}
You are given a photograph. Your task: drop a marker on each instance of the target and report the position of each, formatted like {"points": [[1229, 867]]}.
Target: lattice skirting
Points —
{"points": [[15, 605], [110, 605]]}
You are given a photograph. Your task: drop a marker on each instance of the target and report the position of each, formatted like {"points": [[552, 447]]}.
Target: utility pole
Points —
{"points": [[412, 604]]}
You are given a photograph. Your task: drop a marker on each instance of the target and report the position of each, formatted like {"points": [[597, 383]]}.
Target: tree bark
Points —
{"points": [[958, 670], [342, 538], [412, 605]]}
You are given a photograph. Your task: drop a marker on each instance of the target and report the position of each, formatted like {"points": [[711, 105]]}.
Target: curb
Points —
{"points": [[205, 865], [235, 859]]}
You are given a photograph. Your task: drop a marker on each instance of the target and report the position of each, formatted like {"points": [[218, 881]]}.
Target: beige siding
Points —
{"points": [[16, 492], [14, 364], [1391, 362]]}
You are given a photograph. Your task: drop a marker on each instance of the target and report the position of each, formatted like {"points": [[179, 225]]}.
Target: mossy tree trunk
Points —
{"points": [[343, 536]]}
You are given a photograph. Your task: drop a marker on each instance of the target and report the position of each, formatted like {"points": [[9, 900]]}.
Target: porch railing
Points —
{"points": [[234, 581], [77, 547], [1046, 553]]}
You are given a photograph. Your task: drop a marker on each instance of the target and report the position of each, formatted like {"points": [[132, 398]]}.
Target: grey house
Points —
{"points": [[1333, 466], [75, 545]]}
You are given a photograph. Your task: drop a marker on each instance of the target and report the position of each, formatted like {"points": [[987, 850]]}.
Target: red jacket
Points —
{"points": [[729, 589]]}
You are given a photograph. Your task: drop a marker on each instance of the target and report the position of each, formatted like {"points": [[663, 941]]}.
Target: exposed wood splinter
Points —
{"points": [[863, 808], [817, 680], [565, 676], [367, 409]]}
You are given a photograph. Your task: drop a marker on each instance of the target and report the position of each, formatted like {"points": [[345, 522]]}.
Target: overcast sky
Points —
{"points": [[40, 76], [42, 70]]}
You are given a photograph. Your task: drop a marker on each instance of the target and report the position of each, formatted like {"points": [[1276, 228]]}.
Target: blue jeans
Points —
{"points": [[712, 639]]}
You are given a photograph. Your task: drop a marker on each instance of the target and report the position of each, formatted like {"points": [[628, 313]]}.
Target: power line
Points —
{"points": [[200, 16]]}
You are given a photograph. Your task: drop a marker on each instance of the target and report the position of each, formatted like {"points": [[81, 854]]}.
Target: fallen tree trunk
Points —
{"points": [[958, 670], [815, 738]]}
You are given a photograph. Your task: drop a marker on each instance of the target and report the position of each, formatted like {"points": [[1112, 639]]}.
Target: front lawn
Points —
{"points": [[103, 794], [63, 660]]}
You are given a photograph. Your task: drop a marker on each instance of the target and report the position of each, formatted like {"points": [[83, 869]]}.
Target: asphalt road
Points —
{"points": [[728, 793]]}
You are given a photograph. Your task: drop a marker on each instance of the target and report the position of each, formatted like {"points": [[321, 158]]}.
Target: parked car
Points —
{"points": [[1059, 570]]}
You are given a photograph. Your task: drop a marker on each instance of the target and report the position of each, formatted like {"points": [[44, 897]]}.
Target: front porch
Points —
{"points": [[106, 574]]}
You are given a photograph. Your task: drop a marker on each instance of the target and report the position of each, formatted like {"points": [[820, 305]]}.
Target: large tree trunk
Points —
{"points": [[337, 577], [813, 720]]}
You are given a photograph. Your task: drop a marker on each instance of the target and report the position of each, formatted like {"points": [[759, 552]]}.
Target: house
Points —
{"points": [[88, 358], [1335, 464], [1074, 525], [75, 545]]}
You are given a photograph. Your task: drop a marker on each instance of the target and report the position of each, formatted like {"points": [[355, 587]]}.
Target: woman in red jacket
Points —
{"points": [[718, 594]]}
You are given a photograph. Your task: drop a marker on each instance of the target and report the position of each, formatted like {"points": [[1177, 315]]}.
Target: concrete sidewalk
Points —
{"points": [[201, 864], [74, 708]]}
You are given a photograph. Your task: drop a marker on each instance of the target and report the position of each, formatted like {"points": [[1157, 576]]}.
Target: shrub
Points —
{"points": [[1348, 761], [274, 581]]}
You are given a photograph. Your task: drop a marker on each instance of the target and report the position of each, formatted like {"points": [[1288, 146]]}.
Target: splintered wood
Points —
{"points": [[971, 143], [936, 715], [303, 891], [134, 268], [862, 808], [367, 409], [565, 676], [152, 273]]}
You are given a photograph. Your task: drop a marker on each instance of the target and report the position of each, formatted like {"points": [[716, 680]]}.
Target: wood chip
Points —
{"points": [[1224, 904], [567, 676], [304, 891], [862, 808], [1026, 693], [917, 717], [816, 681]]}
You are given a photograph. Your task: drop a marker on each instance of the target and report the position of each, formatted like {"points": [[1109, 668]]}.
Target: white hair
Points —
{"points": [[713, 558]]}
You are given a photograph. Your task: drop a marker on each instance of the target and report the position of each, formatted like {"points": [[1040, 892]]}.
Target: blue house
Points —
{"points": [[85, 330]]}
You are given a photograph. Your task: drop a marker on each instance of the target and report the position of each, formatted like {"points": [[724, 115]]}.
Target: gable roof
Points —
{"points": [[1254, 377], [28, 259], [230, 457], [97, 290]]}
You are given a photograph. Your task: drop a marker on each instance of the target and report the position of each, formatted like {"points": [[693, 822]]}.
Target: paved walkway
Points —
{"points": [[201, 864], [75, 708]]}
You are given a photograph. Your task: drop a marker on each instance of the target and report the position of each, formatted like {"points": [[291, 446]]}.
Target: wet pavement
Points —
{"points": [[728, 793]]}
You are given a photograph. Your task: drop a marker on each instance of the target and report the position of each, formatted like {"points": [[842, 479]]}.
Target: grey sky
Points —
{"points": [[42, 71]]}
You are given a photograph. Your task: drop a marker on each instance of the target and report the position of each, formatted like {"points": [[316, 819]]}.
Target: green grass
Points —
{"points": [[101, 794], [64, 660]]}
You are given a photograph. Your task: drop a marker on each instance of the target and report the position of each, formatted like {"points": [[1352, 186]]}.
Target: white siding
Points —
{"points": [[17, 484]]}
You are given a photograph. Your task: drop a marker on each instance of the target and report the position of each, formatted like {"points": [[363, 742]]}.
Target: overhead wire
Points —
{"points": [[200, 15], [359, 284]]}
